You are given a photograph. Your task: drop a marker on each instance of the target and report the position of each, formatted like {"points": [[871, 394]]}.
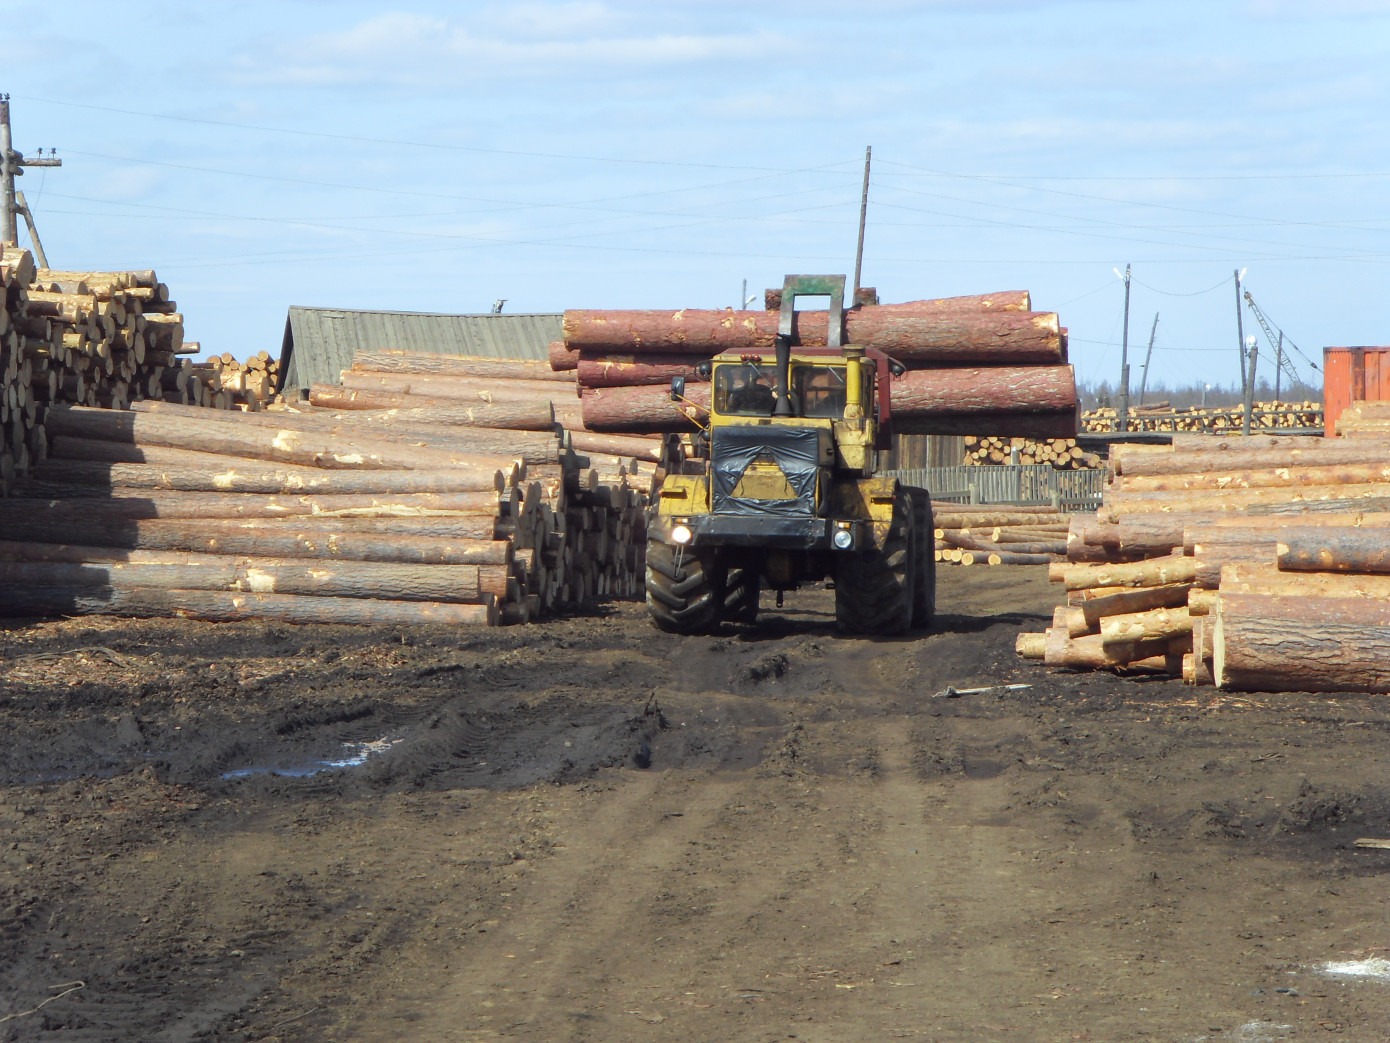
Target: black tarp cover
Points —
{"points": [[796, 450]]}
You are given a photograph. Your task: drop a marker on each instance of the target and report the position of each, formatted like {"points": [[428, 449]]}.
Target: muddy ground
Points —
{"points": [[585, 830]]}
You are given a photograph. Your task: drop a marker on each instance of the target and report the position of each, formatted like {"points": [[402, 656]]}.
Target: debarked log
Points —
{"points": [[61, 512], [645, 410], [473, 366], [222, 606]]}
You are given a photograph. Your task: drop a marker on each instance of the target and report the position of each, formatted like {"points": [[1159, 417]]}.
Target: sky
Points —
{"points": [[652, 154]]}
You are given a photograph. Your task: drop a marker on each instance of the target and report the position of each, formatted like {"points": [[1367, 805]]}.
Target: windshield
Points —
{"points": [[820, 390], [744, 390]]}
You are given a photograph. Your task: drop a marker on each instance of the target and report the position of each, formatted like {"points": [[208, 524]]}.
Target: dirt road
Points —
{"points": [[585, 830]]}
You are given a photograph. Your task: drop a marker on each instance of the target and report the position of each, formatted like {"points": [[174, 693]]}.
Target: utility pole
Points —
{"points": [[1253, 355], [1144, 380], [1124, 363], [1278, 364], [1240, 337], [12, 165], [863, 216]]}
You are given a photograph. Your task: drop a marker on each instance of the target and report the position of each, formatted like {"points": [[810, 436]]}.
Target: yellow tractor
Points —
{"points": [[784, 490]]}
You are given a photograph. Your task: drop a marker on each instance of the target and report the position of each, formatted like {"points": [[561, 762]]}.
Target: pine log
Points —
{"points": [[1302, 453], [921, 394], [598, 370], [1119, 504], [220, 606], [286, 446], [562, 360], [982, 517], [1019, 423], [457, 366], [1152, 625], [460, 584], [536, 414], [1031, 646], [1358, 610], [1152, 573], [1262, 477], [468, 389], [1202, 601], [648, 449], [267, 539], [1131, 600], [1090, 653], [159, 504], [1247, 578], [1260, 654], [917, 332], [254, 476], [1000, 557], [1334, 550], [644, 410]]}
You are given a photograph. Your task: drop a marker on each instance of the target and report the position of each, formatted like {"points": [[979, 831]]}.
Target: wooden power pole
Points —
{"points": [[12, 165]]}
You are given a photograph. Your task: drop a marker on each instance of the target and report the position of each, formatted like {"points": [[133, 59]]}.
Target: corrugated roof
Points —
{"points": [[321, 342]]}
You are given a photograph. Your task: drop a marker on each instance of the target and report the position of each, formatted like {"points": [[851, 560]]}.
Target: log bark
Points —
{"points": [[1247, 578], [1158, 624], [66, 510], [467, 389], [562, 360], [981, 518], [1310, 452], [282, 445], [1260, 477], [515, 415], [1118, 504], [268, 539], [910, 332], [1153, 573], [1129, 601], [1260, 654], [472, 366], [1090, 653], [457, 584], [223, 606], [644, 410], [1031, 646], [631, 447], [597, 370], [1297, 606], [255, 476], [1334, 550]]}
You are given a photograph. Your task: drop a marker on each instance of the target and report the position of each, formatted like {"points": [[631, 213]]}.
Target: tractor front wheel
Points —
{"points": [[874, 586], [684, 589]]}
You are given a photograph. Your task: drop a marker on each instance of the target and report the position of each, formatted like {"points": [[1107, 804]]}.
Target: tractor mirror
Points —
{"points": [[704, 369], [677, 388]]}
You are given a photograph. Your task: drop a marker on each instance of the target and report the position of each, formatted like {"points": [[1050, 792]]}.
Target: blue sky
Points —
{"points": [[613, 153]]}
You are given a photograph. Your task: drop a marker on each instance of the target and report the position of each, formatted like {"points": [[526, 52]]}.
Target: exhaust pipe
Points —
{"points": [[783, 348]]}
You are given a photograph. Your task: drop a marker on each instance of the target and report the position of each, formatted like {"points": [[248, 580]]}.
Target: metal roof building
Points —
{"points": [[321, 342]]}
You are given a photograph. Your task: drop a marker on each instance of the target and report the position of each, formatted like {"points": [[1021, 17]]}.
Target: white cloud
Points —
{"points": [[413, 49]]}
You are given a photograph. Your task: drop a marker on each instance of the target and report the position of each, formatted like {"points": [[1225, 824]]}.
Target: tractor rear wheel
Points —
{"points": [[924, 583], [874, 586], [684, 589]]}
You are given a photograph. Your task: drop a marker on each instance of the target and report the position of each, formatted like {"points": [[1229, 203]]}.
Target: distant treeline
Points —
{"points": [[1093, 396]]}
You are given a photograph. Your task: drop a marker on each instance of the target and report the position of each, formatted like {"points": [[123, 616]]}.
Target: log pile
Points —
{"points": [[1364, 418], [1062, 453], [1000, 535], [318, 515], [1255, 564], [1195, 419], [975, 365], [221, 382]]}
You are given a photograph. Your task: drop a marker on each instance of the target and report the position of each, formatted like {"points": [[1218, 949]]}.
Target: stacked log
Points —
{"points": [[594, 497], [999, 535], [1300, 416], [221, 382], [1280, 542], [1361, 419], [975, 365], [1061, 453]]}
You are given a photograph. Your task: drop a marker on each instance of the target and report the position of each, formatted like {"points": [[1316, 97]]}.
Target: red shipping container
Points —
{"points": [[1352, 375]]}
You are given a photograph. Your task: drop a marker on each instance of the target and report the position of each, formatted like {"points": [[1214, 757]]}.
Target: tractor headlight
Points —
{"points": [[680, 533], [843, 539]]}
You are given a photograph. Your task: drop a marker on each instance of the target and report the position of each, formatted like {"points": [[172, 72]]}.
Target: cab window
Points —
{"points": [[744, 390], [819, 390]]}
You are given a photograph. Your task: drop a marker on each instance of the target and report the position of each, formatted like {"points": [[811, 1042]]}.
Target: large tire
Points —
{"points": [[874, 586], [741, 595], [684, 590], [924, 588]]}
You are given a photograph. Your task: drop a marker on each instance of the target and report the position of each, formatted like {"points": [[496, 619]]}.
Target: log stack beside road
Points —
{"points": [[1255, 564]]}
